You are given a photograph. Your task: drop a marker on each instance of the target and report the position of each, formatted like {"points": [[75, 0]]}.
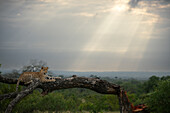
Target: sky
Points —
{"points": [[86, 35]]}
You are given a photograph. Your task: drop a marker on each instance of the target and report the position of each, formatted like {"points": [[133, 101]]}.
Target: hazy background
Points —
{"points": [[86, 35]]}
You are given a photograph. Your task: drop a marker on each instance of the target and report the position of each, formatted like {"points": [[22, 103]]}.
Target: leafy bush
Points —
{"points": [[159, 100]]}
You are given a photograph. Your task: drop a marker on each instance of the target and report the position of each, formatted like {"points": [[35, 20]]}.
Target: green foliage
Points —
{"points": [[151, 83], [98, 103], [62, 100], [5, 88], [165, 78], [159, 100]]}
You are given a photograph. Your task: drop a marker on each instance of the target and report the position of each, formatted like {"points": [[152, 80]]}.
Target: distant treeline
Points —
{"points": [[123, 75]]}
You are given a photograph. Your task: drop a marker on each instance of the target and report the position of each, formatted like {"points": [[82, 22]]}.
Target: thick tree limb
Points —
{"points": [[98, 85], [95, 84], [9, 80], [21, 95]]}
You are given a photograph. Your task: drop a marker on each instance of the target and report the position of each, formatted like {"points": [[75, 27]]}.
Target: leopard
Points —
{"points": [[27, 77]]}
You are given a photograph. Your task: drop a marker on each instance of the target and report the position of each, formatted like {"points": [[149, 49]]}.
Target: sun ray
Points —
{"points": [[110, 24], [125, 26]]}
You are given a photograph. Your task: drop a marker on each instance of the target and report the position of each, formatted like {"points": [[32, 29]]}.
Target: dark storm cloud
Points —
{"points": [[134, 3], [165, 1], [61, 60], [157, 55], [20, 57]]}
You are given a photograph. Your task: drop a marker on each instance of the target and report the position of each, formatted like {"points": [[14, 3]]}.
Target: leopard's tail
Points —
{"points": [[17, 85]]}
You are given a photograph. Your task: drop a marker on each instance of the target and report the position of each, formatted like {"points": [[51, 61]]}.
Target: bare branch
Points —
{"points": [[21, 95]]}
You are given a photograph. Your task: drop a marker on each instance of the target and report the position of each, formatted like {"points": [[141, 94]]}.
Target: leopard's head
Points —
{"points": [[44, 70]]}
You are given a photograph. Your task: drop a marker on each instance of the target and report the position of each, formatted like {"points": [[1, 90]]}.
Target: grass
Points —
{"points": [[75, 112]]}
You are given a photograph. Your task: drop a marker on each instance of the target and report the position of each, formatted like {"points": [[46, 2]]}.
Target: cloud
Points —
{"points": [[85, 35], [136, 3], [85, 14], [156, 56]]}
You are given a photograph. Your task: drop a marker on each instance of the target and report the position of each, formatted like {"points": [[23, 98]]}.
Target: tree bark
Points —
{"points": [[98, 85], [95, 84], [21, 95]]}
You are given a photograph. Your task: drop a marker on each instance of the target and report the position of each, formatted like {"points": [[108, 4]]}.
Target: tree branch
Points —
{"points": [[21, 95], [98, 85], [9, 80], [95, 84]]}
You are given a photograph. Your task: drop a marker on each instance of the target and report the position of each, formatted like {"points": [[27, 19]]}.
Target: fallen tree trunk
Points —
{"points": [[95, 84]]}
